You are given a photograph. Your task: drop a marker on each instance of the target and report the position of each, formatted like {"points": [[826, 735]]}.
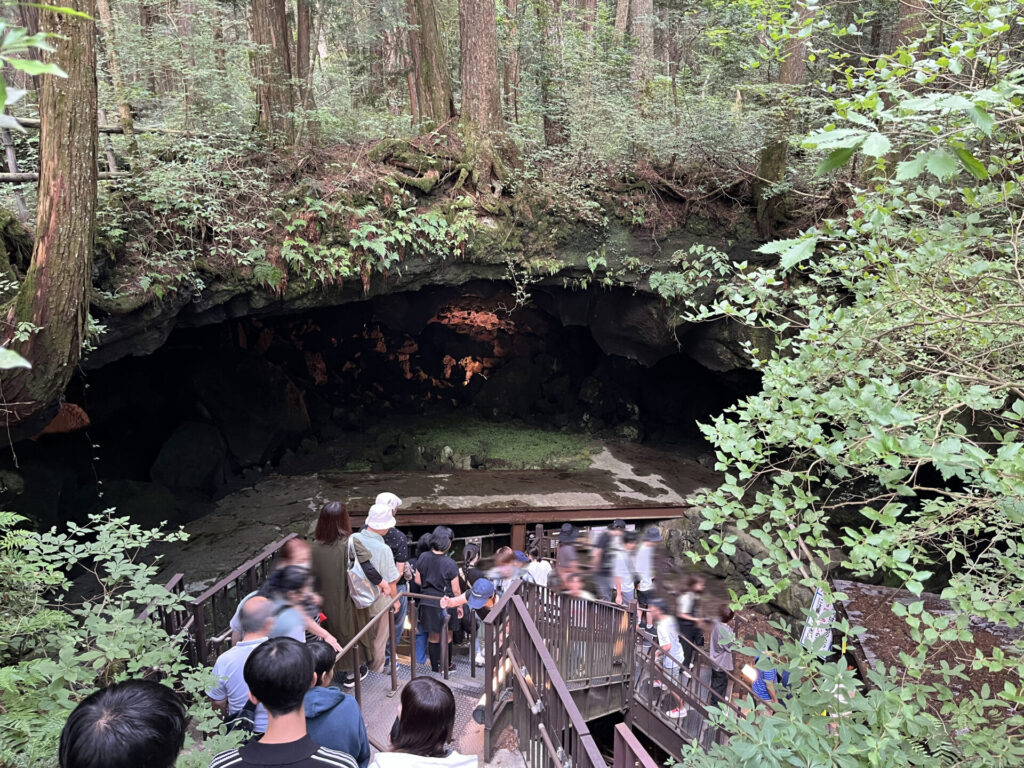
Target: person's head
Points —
{"points": [[520, 557], [256, 617], [423, 544], [324, 659], [440, 540], [568, 534], [279, 672], [574, 584], [388, 500], [427, 719], [480, 594], [652, 535], [471, 555], [617, 527], [296, 552], [380, 518], [695, 583], [657, 608], [333, 523], [629, 539], [505, 561], [128, 724], [533, 553], [289, 583], [725, 613]]}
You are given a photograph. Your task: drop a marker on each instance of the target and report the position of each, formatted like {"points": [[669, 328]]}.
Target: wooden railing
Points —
{"points": [[590, 640], [658, 689], [629, 752], [212, 609]]}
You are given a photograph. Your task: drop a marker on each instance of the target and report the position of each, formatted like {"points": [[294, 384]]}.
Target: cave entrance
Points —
{"points": [[410, 384]]}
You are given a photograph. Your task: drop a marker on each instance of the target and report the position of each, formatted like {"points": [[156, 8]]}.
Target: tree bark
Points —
{"points": [[482, 124], [553, 104], [911, 21], [273, 70], [621, 19], [641, 14], [432, 82], [510, 64], [589, 16], [771, 167], [54, 295], [124, 109]]}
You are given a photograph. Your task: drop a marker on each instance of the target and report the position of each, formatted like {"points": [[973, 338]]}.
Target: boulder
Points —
{"points": [[194, 458]]}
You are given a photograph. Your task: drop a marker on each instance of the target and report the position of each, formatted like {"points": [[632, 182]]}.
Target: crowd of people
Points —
{"points": [[281, 683]]}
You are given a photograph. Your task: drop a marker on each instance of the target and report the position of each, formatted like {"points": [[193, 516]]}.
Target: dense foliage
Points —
{"points": [[887, 438]]}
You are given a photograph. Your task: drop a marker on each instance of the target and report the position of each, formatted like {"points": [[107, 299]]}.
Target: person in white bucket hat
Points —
{"points": [[389, 499], [381, 570]]}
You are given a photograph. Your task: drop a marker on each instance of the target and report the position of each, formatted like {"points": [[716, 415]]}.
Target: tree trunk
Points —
{"points": [[310, 127], [589, 16], [771, 167], [641, 14], [273, 70], [124, 109], [510, 65], [482, 124], [553, 105], [54, 295], [29, 15], [911, 21], [621, 19], [432, 83]]}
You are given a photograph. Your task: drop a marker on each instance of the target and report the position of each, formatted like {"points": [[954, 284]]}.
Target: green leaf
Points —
{"points": [[33, 67], [981, 118], [836, 159], [793, 251], [973, 165], [63, 10], [876, 145], [11, 359], [940, 163], [910, 169]]}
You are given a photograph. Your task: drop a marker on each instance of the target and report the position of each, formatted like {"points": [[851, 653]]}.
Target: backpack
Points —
{"points": [[244, 720], [363, 593]]}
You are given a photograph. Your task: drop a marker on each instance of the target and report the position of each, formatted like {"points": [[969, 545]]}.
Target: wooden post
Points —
{"points": [[519, 536], [108, 148], [12, 166]]}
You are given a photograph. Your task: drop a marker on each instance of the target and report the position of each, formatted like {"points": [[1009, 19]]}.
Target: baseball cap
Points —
{"points": [[568, 533], [520, 556], [479, 594], [653, 533], [618, 524]]}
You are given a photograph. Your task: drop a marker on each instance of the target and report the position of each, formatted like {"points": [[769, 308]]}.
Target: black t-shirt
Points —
{"points": [[604, 543], [297, 754], [468, 577], [436, 573]]}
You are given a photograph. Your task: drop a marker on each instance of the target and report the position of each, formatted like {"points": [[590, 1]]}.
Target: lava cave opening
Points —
{"points": [[217, 406]]}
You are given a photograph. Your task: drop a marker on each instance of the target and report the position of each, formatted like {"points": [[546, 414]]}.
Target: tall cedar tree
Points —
{"points": [[552, 96], [771, 167], [54, 295], [431, 86], [482, 123], [272, 65]]}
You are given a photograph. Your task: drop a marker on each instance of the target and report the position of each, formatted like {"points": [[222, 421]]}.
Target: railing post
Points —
{"points": [[444, 643], [391, 645], [199, 631], [355, 671], [490, 679], [472, 642], [412, 614]]}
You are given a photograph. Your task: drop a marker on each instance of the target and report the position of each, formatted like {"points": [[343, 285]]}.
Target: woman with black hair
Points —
{"points": [[425, 727], [438, 575]]}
